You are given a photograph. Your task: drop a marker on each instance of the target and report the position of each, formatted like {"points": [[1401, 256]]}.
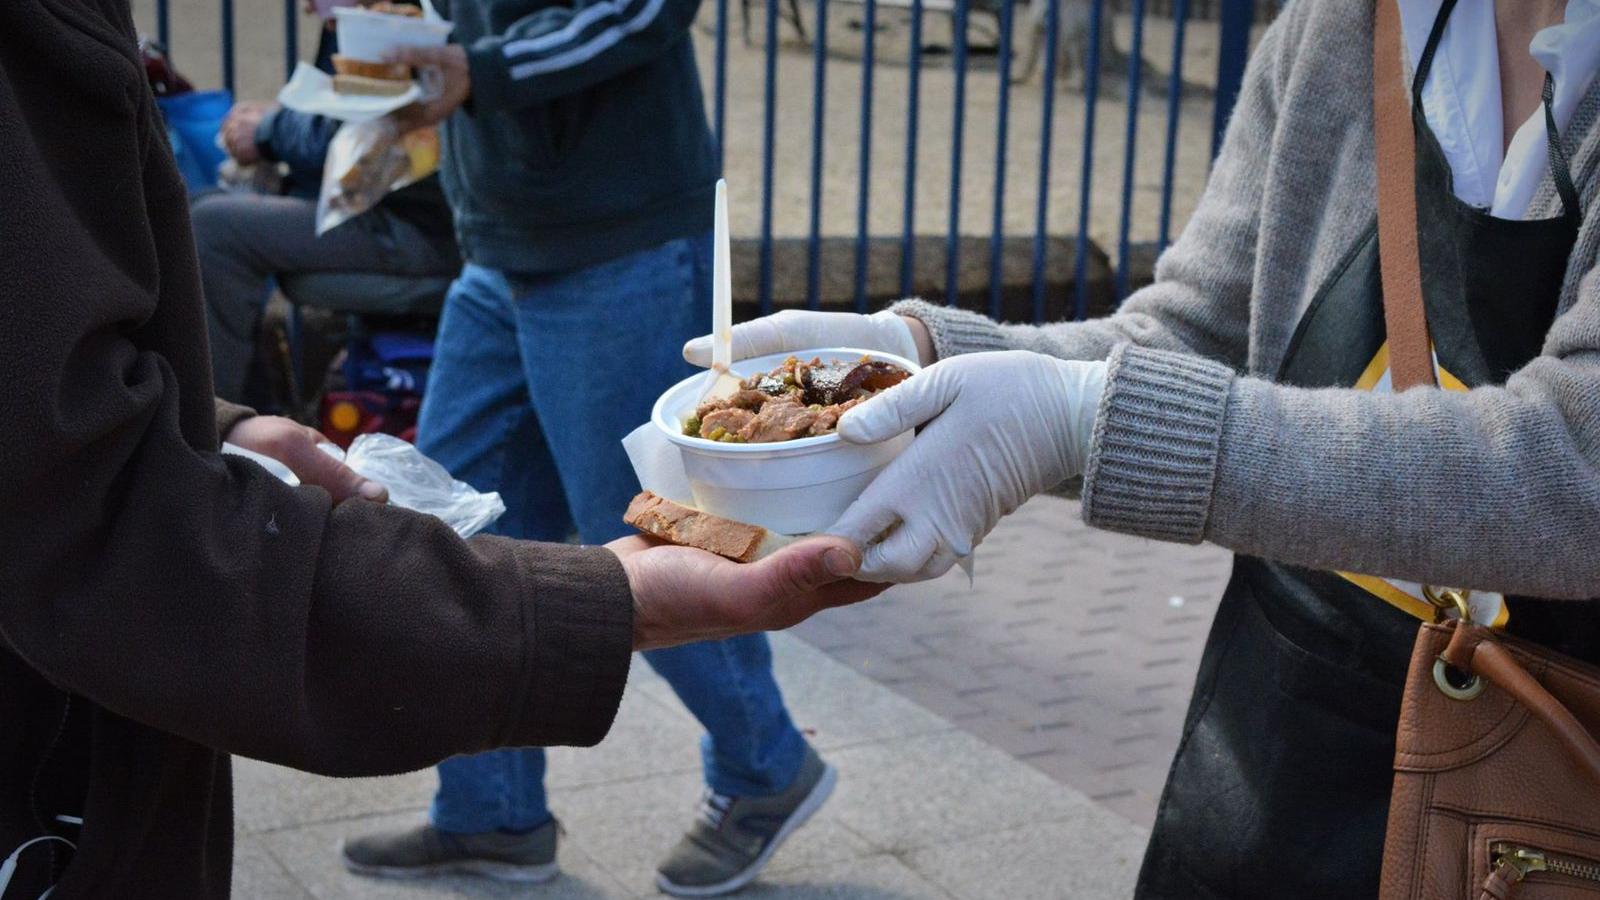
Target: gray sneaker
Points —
{"points": [[424, 851], [733, 837]]}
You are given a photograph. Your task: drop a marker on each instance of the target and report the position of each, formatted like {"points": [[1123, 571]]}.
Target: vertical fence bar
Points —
{"points": [[913, 100], [1041, 213], [864, 182], [997, 227], [227, 45], [952, 241], [1091, 93], [1180, 17], [291, 38], [768, 110], [1233, 50], [719, 81], [1129, 147], [819, 72], [164, 26]]}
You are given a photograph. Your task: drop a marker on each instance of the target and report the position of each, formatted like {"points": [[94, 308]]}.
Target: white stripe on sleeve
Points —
{"points": [[588, 50], [568, 32]]}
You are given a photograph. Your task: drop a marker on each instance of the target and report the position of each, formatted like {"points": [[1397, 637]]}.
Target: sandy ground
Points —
{"points": [[259, 61]]}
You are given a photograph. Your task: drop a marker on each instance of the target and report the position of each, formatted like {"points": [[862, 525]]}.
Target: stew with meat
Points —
{"points": [[795, 400]]}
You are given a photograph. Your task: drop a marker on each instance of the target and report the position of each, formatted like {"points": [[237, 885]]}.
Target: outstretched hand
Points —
{"points": [[682, 595]]}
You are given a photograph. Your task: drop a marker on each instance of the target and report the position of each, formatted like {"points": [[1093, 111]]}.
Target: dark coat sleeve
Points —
{"points": [[196, 593], [560, 49], [229, 415], [297, 139]]}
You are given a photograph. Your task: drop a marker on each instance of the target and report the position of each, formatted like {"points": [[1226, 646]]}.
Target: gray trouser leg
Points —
{"points": [[243, 240]]}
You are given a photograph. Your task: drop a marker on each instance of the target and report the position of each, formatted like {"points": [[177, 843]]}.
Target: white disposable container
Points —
{"points": [[325, 8], [372, 36], [791, 487]]}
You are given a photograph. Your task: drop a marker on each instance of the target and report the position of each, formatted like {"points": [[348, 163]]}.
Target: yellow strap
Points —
{"points": [[1375, 377]]}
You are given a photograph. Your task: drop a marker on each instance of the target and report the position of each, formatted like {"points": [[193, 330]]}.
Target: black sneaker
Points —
{"points": [[732, 838], [425, 851]]}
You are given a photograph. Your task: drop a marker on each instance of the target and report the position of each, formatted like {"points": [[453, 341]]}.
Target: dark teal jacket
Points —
{"points": [[585, 137]]}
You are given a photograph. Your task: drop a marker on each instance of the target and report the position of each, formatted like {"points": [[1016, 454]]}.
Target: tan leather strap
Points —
{"points": [[1473, 648], [1410, 350], [1498, 886]]}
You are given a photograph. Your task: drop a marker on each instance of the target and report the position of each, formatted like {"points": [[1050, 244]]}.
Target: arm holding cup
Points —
{"points": [[997, 428]]}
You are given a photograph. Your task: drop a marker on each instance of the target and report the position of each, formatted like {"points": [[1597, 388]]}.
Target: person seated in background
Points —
{"points": [[245, 238]]}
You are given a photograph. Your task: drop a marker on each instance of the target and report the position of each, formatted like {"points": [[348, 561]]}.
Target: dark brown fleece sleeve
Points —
{"points": [[229, 415], [196, 593]]}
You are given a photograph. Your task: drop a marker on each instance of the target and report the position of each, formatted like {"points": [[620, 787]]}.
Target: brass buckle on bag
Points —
{"points": [[1447, 599], [1443, 601]]}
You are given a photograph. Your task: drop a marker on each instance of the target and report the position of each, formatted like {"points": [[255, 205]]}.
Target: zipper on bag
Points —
{"points": [[1515, 862]]}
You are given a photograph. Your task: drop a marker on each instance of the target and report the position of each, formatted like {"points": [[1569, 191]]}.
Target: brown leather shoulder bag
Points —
{"points": [[1497, 773]]}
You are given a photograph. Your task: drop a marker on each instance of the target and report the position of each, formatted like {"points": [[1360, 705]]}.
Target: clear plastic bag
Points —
{"points": [[414, 481], [417, 482], [367, 160]]}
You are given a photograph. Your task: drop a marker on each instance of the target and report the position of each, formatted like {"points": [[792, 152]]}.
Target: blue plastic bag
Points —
{"points": [[193, 122]]}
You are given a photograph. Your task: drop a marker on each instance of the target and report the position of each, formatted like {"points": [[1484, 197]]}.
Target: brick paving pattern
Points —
{"points": [[1073, 649]]}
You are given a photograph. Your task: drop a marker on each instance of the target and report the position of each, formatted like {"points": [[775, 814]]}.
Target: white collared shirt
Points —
{"points": [[1461, 97]]}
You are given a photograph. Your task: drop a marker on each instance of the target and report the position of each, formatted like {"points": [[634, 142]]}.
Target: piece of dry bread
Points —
{"points": [[689, 527]]}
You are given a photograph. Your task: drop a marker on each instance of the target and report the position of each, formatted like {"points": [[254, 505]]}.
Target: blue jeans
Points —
{"points": [[535, 381]]}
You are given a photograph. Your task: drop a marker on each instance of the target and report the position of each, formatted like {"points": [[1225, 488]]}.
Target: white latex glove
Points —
{"points": [[1001, 427], [793, 330]]}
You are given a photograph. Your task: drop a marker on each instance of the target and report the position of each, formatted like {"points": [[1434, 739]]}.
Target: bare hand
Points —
{"points": [[295, 445], [239, 129], [451, 61], [682, 595]]}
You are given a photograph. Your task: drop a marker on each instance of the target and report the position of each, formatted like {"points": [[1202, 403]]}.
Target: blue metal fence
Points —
{"points": [[1091, 98], [869, 42], [768, 128], [908, 250], [1234, 18], [819, 73], [1041, 228]]}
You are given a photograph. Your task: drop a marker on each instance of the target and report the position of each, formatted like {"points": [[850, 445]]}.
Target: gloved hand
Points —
{"points": [[1001, 427], [794, 330]]}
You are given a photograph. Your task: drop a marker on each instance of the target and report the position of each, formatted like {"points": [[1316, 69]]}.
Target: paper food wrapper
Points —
{"points": [[659, 466], [310, 90]]}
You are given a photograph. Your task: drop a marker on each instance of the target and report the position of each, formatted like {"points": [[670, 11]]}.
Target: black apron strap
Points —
{"points": [[1425, 62], [1560, 168]]}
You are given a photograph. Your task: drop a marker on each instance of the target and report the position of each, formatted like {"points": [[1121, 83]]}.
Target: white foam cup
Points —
{"points": [[373, 36], [791, 487]]}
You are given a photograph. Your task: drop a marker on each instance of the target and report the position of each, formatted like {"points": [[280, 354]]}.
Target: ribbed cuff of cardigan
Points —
{"points": [[954, 331], [579, 644], [229, 415], [1153, 463]]}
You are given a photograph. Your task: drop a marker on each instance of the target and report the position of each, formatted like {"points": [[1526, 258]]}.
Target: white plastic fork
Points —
{"points": [[721, 380]]}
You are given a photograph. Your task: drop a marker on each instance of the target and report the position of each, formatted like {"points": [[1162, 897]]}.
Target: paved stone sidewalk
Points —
{"points": [[924, 809], [1073, 649]]}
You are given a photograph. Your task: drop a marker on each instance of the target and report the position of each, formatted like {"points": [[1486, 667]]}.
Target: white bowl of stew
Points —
{"points": [[795, 486]]}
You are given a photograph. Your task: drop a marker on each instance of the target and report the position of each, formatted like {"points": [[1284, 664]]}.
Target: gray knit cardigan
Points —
{"points": [[1497, 488]]}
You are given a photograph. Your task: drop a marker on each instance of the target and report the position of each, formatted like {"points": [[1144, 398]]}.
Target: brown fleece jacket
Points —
{"points": [[162, 606]]}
